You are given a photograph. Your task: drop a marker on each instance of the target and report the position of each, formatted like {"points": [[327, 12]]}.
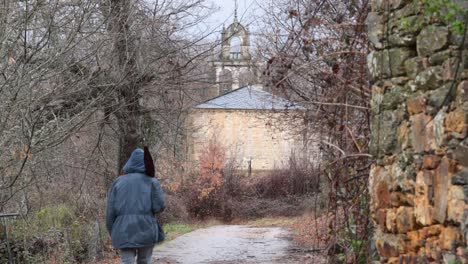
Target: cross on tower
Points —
{"points": [[235, 10]]}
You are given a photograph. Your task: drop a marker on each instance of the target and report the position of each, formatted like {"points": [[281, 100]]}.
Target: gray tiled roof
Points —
{"points": [[248, 97]]}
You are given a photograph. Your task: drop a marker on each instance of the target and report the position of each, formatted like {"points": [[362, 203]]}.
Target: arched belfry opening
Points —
{"points": [[235, 47], [234, 58], [235, 42]]}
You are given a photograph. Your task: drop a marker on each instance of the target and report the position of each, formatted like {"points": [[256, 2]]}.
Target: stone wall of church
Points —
{"points": [[253, 137], [419, 181]]}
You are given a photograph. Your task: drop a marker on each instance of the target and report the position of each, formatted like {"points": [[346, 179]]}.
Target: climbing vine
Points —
{"points": [[448, 12]]}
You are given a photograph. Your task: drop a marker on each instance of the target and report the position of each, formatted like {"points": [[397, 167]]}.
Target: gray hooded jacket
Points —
{"points": [[132, 201]]}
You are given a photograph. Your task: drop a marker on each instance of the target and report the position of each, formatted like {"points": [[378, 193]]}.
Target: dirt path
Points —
{"points": [[229, 244]]}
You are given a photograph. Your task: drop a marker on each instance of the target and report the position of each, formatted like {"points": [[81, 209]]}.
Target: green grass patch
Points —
{"points": [[272, 221], [174, 230]]}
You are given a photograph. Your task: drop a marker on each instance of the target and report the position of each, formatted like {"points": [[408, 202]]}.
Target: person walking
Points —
{"points": [[132, 201]]}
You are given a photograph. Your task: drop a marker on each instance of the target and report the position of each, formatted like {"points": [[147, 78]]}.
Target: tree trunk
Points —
{"points": [[129, 132], [125, 75]]}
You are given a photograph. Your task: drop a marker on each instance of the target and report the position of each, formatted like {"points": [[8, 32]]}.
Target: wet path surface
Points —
{"points": [[227, 244]]}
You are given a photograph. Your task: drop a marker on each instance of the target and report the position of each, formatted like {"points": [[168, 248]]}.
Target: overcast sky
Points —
{"points": [[247, 12]]}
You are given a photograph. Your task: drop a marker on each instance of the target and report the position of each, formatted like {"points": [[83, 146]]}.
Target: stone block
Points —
{"points": [[401, 114], [462, 253], [375, 29], [384, 133], [389, 245], [463, 91], [375, 176], [442, 95], [449, 238], [402, 38], [464, 75], [424, 182], [423, 210], [439, 132], [449, 258], [387, 5], [461, 177], [378, 5], [390, 220], [411, 258], [456, 193], [430, 231], [381, 218], [402, 80], [376, 99], [395, 199], [456, 205], [396, 4], [414, 66], [393, 97], [455, 122], [442, 177], [405, 219], [429, 79], [403, 135], [449, 69], [464, 62], [388, 63], [433, 250], [431, 161], [415, 241], [406, 160], [439, 57], [397, 175], [460, 154], [401, 199], [455, 209], [382, 195], [411, 8], [416, 105], [431, 39], [404, 30], [422, 133], [408, 25]]}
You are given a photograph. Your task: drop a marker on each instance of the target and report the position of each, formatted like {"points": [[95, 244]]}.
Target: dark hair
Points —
{"points": [[149, 164]]}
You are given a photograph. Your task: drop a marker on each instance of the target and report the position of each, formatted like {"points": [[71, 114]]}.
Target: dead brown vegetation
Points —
{"points": [[220, 189], [319, 59]]}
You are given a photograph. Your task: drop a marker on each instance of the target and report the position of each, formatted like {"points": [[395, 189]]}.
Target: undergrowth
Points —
{"points": [[54, 234]]}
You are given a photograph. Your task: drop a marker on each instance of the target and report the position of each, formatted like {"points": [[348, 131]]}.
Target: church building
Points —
{"points": [[259, 130]]}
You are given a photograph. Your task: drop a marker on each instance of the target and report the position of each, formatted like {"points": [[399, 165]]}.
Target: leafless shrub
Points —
{"points": [[175, 211], [298, 178], [316, 53]]}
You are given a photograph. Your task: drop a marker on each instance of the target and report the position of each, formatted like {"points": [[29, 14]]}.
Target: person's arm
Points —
{"points": [[110, 211], [157, 197]]}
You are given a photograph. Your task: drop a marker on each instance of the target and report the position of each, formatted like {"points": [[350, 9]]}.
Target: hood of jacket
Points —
{"points": [[135, 163]]}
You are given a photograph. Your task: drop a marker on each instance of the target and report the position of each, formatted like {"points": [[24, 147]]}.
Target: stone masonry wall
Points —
{"points": [[253, 138], [418, 182]]}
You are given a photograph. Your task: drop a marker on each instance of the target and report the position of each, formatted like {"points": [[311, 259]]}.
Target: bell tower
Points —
{"points": [[234, 67]]}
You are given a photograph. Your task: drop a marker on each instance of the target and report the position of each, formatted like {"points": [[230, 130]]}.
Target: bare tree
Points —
{"points": [[95, 66], [316, 52], [148, 50], [44, 88]]}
